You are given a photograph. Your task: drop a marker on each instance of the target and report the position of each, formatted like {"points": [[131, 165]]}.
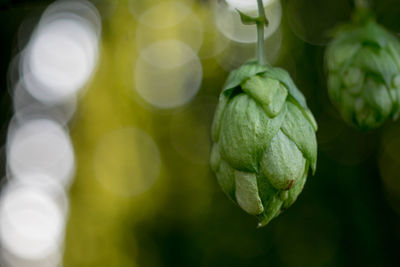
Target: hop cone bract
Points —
{"points": [[264, 140], [363, 67]]}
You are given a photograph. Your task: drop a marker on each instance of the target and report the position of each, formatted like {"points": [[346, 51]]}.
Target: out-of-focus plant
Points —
{"points": [[363, 66]]}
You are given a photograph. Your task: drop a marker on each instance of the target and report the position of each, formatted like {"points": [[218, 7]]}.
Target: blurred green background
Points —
{"points": [[123, 214]]}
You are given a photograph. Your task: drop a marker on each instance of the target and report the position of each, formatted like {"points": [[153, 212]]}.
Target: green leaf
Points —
{"points": [[301, 132], [295, 191], [283, 163], [353, 79], [348, 106], [247, 193], [284, 77], [270, 198], [334, 86], [378, 62], [238, 76], [374, 34], [261, 89], [226, 179], [268, 92], [216, 124], [215, 159], [246, 131], [278, 101], [246, 19], [378, 98], [340, 54], [396, 105], [310, 117]]}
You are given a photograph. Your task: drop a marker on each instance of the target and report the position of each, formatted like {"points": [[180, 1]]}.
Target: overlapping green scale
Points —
{"points": [[362, 63], [264, 140]]}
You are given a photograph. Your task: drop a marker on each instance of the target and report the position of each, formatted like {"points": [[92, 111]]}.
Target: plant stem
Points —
{"points": [[260, 32], [361, 3]]}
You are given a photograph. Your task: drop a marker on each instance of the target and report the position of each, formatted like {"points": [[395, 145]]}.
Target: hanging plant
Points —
{"points": [[363, 70], [263, 135]]}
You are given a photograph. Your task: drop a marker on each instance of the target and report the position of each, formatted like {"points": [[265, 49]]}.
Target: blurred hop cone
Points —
{"points": [[264, 140], [363, 71]]}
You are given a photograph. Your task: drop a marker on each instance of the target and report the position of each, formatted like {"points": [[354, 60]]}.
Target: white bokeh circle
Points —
{"points": [[31, 223], [40, 146], [168, 74]]}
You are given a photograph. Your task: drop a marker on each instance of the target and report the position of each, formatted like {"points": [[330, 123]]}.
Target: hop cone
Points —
{"points": [[264, 140], [363, 64]]}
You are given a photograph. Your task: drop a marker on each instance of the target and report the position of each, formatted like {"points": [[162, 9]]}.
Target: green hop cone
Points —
{"points": [[264, 140], [363, 71]]}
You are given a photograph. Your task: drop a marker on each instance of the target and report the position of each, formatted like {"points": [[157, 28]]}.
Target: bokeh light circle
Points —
{"points": [[60, 58], [168, 74], [40, 146], [138, 8], [245, 51], [213, 41], [31, 222], [26, 107], [127, 162], [185, 26], [165, 14], [79, 10], [229, 23], [246, 5]]}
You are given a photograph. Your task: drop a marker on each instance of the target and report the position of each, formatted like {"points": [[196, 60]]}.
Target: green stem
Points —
{"points": [[361, 4], [260, 32], [363, 12]]}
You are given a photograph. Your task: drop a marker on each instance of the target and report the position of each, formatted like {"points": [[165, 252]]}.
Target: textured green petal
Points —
{"points": [[270, 93], [247, 192], [338, 55], [377, 61], [261, 89], [310, 117], [393, 49], [284, 77], [378, 97], [226, 179], [215, 159], [299, 130], [353, 80], [245, 132], [335, 92], [278, 102], [216, 124], [283, 163], [334, 84], [238, 76], [347, 106], [295, 191], [270, 198], [396, 92], [374, 34], [396, 81]]}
